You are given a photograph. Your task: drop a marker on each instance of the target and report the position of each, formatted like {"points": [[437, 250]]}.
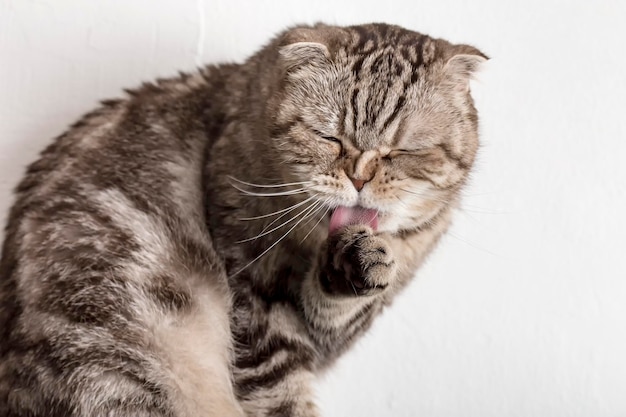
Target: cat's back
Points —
{"points": [[109, 285]]}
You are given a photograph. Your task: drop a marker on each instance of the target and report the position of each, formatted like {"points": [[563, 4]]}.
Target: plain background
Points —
{"points": [[522, 309]]}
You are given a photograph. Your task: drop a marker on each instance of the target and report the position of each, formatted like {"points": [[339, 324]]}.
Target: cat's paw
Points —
{"points": [[358, 262]]}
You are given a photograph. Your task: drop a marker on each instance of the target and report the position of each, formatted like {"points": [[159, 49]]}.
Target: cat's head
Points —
{"points": [[376, 116]]}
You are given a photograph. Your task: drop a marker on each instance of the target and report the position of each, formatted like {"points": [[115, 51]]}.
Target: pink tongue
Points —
{"points": [[344, 216]]}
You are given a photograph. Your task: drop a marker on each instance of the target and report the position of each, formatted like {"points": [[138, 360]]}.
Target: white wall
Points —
{"points": [[522, 310]]}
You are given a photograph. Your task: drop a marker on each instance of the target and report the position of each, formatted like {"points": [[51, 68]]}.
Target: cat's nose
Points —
{"points": [[358, 184], [364, 169]]}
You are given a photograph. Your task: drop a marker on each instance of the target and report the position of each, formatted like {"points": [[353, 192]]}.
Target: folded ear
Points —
{"points": [[463, 62], [297, 55], [310, 46]]}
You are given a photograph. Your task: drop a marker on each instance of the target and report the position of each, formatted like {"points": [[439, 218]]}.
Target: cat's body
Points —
{"points": [[124, 289]]}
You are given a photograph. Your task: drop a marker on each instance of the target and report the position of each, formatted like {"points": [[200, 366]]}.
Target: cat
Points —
{"points": [[210, 243]]}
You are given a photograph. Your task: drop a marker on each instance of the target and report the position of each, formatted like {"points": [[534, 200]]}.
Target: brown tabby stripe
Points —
{"points": [[268, 379], [284, 409], [355, 110], [269, 348], [394, 113]]}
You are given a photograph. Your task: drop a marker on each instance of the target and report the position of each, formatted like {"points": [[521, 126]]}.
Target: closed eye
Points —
{"points": [[326, 137]]}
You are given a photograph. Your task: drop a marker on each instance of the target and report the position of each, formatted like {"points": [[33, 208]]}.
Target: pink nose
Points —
{"points": [[358, 184]]}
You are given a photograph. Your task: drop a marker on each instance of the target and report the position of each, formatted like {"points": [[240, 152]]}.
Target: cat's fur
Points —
{"points": [[123, 288]]}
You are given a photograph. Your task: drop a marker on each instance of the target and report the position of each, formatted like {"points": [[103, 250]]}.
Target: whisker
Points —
{"points": [[271, 246], [426, 196], [401, 201], [315, 225], [264, 233], [478, 210], [275, 194], [288, 184], [353, 287], [281, 216], [319, 208], [288, 209], [467, 242], [463, 205]]}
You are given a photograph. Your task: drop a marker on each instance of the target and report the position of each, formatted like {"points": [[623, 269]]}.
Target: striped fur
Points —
{"points": [[169, 255]]}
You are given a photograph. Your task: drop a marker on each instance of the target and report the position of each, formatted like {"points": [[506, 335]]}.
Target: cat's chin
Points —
{"points": [[390, 223]]}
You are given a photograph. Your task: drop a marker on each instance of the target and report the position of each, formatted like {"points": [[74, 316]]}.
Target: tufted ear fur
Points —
{"points": [[464, 61]]}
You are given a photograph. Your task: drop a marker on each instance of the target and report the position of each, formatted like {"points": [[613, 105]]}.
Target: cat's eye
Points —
{"points": [[326, 137], [399, 153], [332, 139]]}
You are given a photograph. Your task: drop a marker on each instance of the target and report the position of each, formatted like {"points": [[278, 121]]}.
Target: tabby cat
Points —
{"points": [[208, 244]]}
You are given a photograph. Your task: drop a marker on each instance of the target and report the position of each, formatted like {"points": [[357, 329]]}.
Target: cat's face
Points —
{"points": [[379, 123]]}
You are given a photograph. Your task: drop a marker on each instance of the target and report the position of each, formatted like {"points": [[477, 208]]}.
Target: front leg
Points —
{"points": [[290, 396], [343, 293], [274, 359]]}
